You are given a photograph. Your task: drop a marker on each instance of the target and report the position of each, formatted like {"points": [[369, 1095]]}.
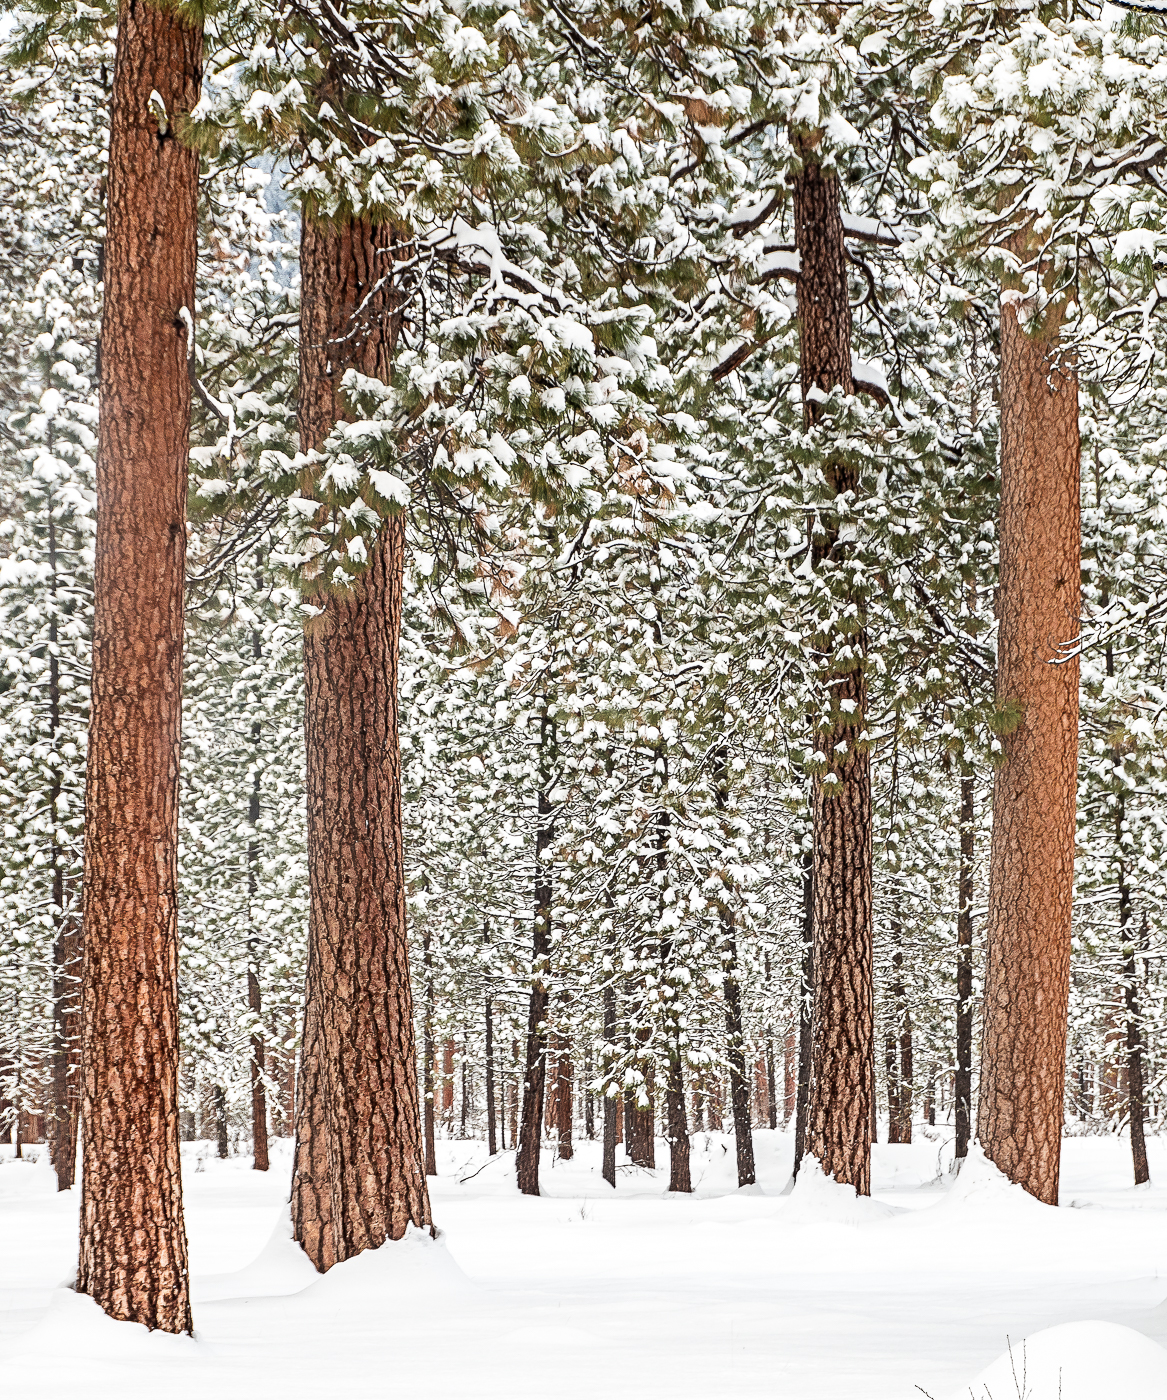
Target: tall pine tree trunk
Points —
{"points": [[805, 1059], [964, 982], [66, 1059], [133, 1258], [739, 1087], [1134, 1064], [1019, 1120], [535, 1067], [491, 1132], [843, 1077], [427, 1052], [362, 1102], [259, 1149]]}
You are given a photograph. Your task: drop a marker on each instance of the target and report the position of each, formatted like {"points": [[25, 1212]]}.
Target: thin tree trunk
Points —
{"points": [[565, 1075], [1134, 1051], [1023, 1060], [739, 1088], [899, 1047], [611, 1101], [133, 1256], [62, 1131], [892, 1075], [589, 1099], [431, 1160], [535, 1069], [964, 970], [491, 1136], [805, 1012], [843, 1079], [219, 1100], [258, 1093], [365, 1111], [254, 996]]}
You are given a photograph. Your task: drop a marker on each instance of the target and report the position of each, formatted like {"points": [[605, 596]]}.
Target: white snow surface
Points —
{"points": [[953, 1285]]}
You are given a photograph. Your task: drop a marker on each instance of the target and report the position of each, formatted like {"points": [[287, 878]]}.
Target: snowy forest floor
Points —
{"points": [[585, 1292]]}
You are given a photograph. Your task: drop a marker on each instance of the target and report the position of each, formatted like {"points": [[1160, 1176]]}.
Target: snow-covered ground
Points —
{"points": [[585, 1292]]}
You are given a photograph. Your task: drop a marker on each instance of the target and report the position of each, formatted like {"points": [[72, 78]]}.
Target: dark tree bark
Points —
{"points": [[535, 1068], [843, 1079], [964, 971], [365, 1112], [133, 1257], [641, 1132], [899, 1049], [589, 1099], [611, 1101], [739, 1087], [1134, 1063], [1023, 1061], [254, 996], [491, 1136], [431, 1159], [565, 1075], [258, 1092], [805, 1012], [66, 1061], [219, 1102]]}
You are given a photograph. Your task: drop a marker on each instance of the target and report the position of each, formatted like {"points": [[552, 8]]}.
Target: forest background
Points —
{"points": [[709, 370]]}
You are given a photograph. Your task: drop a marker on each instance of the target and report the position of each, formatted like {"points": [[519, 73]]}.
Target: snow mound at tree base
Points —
{"points": [[414, 1268], [1077, 1361], [981, 1188], [820, 1199], [76, 1328]]}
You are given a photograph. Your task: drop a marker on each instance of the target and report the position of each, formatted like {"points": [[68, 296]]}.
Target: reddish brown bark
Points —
{"points": [[843, 1080], [1019, 1120], [133, 1258], [359, 1176]]}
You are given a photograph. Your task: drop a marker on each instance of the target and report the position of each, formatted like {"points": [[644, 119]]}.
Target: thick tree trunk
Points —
{"points": [[1031, 874], [359, 992], [843, 1079], [962, 1085], [535, 1068], [133, 1258], [805, 1012]]}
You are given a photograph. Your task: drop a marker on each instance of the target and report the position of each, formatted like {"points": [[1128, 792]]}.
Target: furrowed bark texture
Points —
{"points": [[1023, 1061], [360, 1117], [962, 1083], [843, 1077], [133, 1257]]}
